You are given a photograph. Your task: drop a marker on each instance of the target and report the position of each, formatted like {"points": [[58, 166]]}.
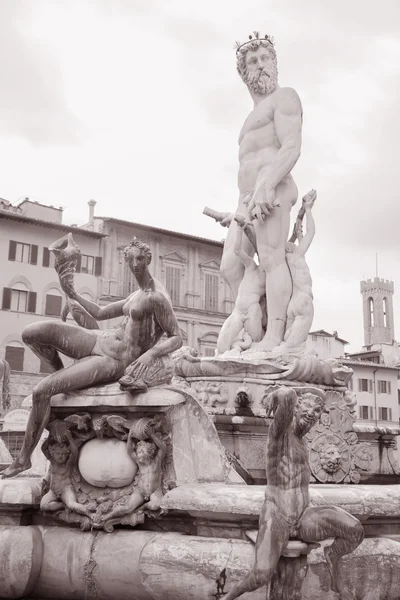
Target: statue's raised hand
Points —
{"points": [[309, 199]]}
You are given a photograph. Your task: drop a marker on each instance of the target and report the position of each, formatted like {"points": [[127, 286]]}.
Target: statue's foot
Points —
{"points": [[15, 468]]}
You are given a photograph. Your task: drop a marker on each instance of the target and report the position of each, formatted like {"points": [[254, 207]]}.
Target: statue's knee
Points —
{"points": [[30, 333]]}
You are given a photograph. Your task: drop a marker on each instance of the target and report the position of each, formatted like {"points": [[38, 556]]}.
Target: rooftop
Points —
{"points": [[367, 363], [5, 214], [164, 231], [323, 333]]}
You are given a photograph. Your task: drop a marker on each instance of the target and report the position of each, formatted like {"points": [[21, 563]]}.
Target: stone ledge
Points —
{"points": [[20, 492], [112, 398], [230, 501]]}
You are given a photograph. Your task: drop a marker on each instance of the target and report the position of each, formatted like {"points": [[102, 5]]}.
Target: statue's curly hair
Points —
{"points": [[135, 243], [253, 45]]}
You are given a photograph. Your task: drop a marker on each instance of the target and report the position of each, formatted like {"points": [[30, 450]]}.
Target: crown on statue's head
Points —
{"points": [[254, 38]]}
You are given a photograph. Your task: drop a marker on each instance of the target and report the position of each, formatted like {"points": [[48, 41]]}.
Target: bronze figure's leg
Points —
{"points": [[48, 338], [84, 373], [321, 522], [272, 538]]}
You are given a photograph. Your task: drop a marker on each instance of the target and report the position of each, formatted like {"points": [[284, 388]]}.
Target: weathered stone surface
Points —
{"points": [[21, 551], [372, 572], [80, 566], [50, 562], [110, 397], [5, 456], [363, 501], [20, 492], [106, 463]]}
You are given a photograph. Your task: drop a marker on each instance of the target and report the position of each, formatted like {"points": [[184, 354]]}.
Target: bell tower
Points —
{"points": [[377, 296]]}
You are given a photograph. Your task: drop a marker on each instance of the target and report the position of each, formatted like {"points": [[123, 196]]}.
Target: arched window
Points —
{"points": [[371, 316], [19, 297], [385, 312]]}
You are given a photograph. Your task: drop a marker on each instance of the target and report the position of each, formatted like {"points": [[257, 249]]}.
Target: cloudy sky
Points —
{"points": [[137, 104]]}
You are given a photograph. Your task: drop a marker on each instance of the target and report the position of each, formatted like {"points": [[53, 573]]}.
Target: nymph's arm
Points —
{"points": [[308, 237], [100, 313], [282, 403]]}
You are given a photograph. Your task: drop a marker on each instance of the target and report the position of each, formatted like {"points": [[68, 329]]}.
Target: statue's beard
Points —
{"points": [[262, 83]]}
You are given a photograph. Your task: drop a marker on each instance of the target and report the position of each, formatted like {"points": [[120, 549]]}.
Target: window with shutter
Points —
{"points": [[173, 283], [211, 292], [53, 305], [31, 302], [12, 250], [19, 300], [33, 255], [87, 264], [364, 413], [383, 413], [98, 266], [15, 357], [6, 298], [22, 252], [46, 257]]}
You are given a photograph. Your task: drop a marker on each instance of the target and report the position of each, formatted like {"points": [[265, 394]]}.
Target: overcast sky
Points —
{"points": [[138, 105]]}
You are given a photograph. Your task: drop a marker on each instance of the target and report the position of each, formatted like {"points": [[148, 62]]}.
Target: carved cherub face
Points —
{"points": [[308, 411], [330, 458], [260, 71], [145, 452], [59, 453]]}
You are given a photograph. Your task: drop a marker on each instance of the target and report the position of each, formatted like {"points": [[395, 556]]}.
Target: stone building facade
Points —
{"points": [[30, 290], [187, 265]]}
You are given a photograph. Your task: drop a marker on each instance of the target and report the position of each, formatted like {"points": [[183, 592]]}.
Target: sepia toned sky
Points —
{"points": [[138, 105]]}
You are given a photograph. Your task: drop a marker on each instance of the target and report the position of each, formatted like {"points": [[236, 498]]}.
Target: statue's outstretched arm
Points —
{"points": [[308, 237], [282, 403], [100, 313]]}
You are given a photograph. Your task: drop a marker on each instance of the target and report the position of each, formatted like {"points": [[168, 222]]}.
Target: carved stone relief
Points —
{"points": [[107, 470]]}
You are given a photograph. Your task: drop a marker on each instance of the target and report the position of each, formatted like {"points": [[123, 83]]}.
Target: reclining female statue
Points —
{"points": [[101, 356]]}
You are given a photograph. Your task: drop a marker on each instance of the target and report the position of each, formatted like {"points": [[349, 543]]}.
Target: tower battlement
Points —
{"points": [[373, 285]]}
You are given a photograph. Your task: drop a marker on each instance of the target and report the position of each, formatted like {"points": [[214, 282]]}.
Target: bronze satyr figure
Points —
{"points": [[101, 356], [286, 512]]}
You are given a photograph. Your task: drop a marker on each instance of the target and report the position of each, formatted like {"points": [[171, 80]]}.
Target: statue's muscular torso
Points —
{"points": [[139, 329], [288, 475], [258, 142]]}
